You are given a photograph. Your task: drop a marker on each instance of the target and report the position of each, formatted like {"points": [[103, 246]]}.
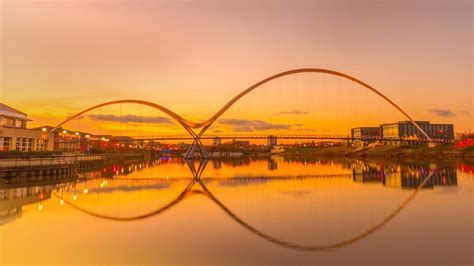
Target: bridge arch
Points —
{"points": [[205, 125], [189, 125], [183, 122]]}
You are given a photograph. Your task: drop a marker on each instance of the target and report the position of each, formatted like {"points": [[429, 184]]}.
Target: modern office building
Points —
{"points": [[402, 132], [363, 135], [15, 136], [406, 132]]}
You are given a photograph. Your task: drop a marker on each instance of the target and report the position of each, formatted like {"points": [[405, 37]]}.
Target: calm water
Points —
{"points": [[246, 211]]}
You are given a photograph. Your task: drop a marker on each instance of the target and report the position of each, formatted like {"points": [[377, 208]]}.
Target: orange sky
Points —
{"points": [[59, 57]]}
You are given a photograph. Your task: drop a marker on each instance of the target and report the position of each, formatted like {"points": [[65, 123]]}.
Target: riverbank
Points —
{"points": [[59, 165], [448, 150]]}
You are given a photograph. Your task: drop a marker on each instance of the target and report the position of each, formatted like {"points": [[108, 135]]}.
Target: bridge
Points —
{"points": [[247, 137], [201, 127]]}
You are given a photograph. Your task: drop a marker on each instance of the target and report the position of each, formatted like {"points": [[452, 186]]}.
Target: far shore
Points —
{"points": [[442, 151]]}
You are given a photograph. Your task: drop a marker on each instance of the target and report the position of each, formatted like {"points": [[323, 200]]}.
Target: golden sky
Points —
{"points": [[59, 57]]}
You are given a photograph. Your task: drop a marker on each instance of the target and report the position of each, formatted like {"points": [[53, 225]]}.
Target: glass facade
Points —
{"points": [[406, 130]]}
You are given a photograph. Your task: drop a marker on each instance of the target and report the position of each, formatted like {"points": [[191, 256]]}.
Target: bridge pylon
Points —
{"points": [[196, 146]]}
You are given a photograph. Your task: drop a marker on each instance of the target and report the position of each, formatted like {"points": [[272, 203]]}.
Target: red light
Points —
{"points": [[464, 143]]}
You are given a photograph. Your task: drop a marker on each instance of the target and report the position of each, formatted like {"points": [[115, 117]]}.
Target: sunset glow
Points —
{"points": [[60, 57]]}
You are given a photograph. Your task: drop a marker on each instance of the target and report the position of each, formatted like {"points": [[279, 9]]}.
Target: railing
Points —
{"points": [[50, 161], [27, 162]]}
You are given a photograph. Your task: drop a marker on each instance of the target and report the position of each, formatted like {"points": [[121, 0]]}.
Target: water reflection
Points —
{"points": [[20, 191], [295, 179], [408, 176]]}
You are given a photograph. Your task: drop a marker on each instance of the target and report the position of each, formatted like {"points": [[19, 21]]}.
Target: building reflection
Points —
{"points": [[16, 193], [216, 165], [21, 192], [399, 176]]}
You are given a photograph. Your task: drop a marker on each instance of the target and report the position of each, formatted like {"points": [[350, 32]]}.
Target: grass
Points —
{"points": [[444, 149], [468, 149]]}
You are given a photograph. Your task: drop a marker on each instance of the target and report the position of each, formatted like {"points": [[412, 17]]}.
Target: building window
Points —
{"points": [[3, 194], [25, 145], [5, 143], [9, 121], [19, 144], [41, 144]]}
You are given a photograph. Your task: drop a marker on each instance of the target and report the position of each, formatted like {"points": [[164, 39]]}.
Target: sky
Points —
{"points": [[59, 57]]}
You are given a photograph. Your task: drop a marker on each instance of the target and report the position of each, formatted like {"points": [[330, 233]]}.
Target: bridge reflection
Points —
{"points": [[425, 177]]}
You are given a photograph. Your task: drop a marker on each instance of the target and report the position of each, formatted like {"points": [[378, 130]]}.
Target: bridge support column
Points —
{"points": [[196, 146], [272, 141]]}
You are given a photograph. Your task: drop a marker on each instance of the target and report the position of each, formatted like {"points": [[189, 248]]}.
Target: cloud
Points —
{"points": [[128, 188], [464, 112], [216, 131], [442, 112], [243, 182], [296, 193], [292, 112], [244, 125], [131, 119]]}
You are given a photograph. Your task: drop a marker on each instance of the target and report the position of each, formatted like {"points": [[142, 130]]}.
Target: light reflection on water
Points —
{"points": [[232, 210]]}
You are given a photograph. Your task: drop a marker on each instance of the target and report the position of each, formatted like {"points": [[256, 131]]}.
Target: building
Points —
{"points": [[237, 143], [272, 141], [406, 132], [72, 141], [362, 136], [216, 141], [15, 136]]}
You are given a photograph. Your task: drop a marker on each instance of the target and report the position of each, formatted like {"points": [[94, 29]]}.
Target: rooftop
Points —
{"points": [[8, 111]]}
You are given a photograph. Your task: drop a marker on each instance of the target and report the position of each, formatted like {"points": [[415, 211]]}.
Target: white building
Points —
{"points": [[15, 136]]}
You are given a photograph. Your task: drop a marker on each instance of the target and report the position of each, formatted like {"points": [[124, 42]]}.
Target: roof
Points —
{"points": [[366, 128], [6, 110], [405, 122]]}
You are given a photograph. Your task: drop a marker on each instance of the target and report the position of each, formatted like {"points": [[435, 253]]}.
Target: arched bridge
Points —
{"points": [[204, 126]]}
